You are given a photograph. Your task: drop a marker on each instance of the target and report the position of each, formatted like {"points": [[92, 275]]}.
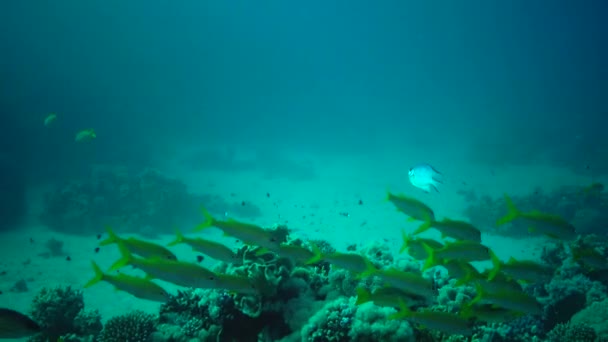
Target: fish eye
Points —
{"points": [[211, 278]]}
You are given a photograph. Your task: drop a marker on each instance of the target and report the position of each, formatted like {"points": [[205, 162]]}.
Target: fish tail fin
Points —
{"points": [[208, 220], [497, 265], [479, 295], [512, 212], [424, 227], [317, 254], [179, 238], [98, 275], [363, 296], [404, 311], [125, 259], [431, 260], [370, 269], [434, 186], [112, 237], [406, 241]]}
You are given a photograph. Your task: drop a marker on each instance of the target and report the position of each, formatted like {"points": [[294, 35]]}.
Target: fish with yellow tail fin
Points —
{"points": [[138, 247], [415, 246], [14, 324], [455, 229], [177, 272], [412, 207], [436, 320], [409, 282], [213, 249], [539, 223], [136, 286], [387, 296], [85, 135], [524, 270], [459, 250], [515, 301], [353, 262], [250, 234], [50, 119]]}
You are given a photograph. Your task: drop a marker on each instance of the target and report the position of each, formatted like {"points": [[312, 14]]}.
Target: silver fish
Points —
{"points": [[425, 177]]}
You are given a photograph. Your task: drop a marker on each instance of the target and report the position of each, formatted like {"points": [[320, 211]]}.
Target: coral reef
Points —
{"points": [[136, 326], [145, 203], [60, 312]]}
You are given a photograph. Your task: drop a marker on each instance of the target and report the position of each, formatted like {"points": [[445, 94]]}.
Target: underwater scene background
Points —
{"points": [[303, 171]]}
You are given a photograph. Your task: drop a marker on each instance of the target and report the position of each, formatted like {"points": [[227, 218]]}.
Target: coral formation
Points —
{"points": [[136, 326]]}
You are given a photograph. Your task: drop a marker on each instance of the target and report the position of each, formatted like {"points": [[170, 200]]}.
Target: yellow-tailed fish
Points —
{"points": [[513, 300], [409, 282], [136, 286], [524, 270], [461, 270], [501, 283], [236, 284], [14, 324], [299, 254], [213, 249], [490, 313], [436, 320], [85, 135], [460, 250], [349, 261], [590, 258], [459, 230], [250, 234], [415, 248], [539, 223], [387, 296], [50, 119], [139, 247], [412, 207], [177, 272]]}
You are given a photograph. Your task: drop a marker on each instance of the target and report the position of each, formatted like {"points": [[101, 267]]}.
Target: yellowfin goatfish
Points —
{"points": [[412, 207], [516, 301], [409, 282], [387, 296], [349, 261], [524, 270], [136, 286], [213, 249], [85, 135], [459, 230], [425, 177], [139, 247], [14, 324], [436, 320], [539, 223], [415, 246], [177, 272], [50, 119], [250, 234], [460, 250]]}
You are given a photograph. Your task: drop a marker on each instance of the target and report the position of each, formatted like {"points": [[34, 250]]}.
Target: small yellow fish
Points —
{"points": [[85, 135], [250, 234], [436, 320], [350, 261], [14, 324], [213, 249], [409, 282], [412, 207], [539, 223], [459, 230], [177, 272], [136, 286], [460, 250], [387, 296], [50, 119], [524, 270], [236, 284], [138, 247], [415, 246], [512, 300]]}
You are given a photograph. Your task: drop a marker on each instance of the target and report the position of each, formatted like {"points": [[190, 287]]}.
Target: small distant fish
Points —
{"points": [[85, 135], [50, 119], [437, 320], [213, 249], [138, 247], [452, 228], [425, 177], [14, 324]]}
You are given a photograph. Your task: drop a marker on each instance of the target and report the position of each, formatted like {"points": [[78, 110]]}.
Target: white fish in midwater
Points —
{"points": [[425, 177]]}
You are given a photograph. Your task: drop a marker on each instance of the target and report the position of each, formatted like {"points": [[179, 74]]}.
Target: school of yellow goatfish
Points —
{"points": [[499, 298]]}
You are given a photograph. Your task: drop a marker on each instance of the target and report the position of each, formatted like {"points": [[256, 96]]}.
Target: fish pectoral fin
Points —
{"points": [[435, 188]]}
